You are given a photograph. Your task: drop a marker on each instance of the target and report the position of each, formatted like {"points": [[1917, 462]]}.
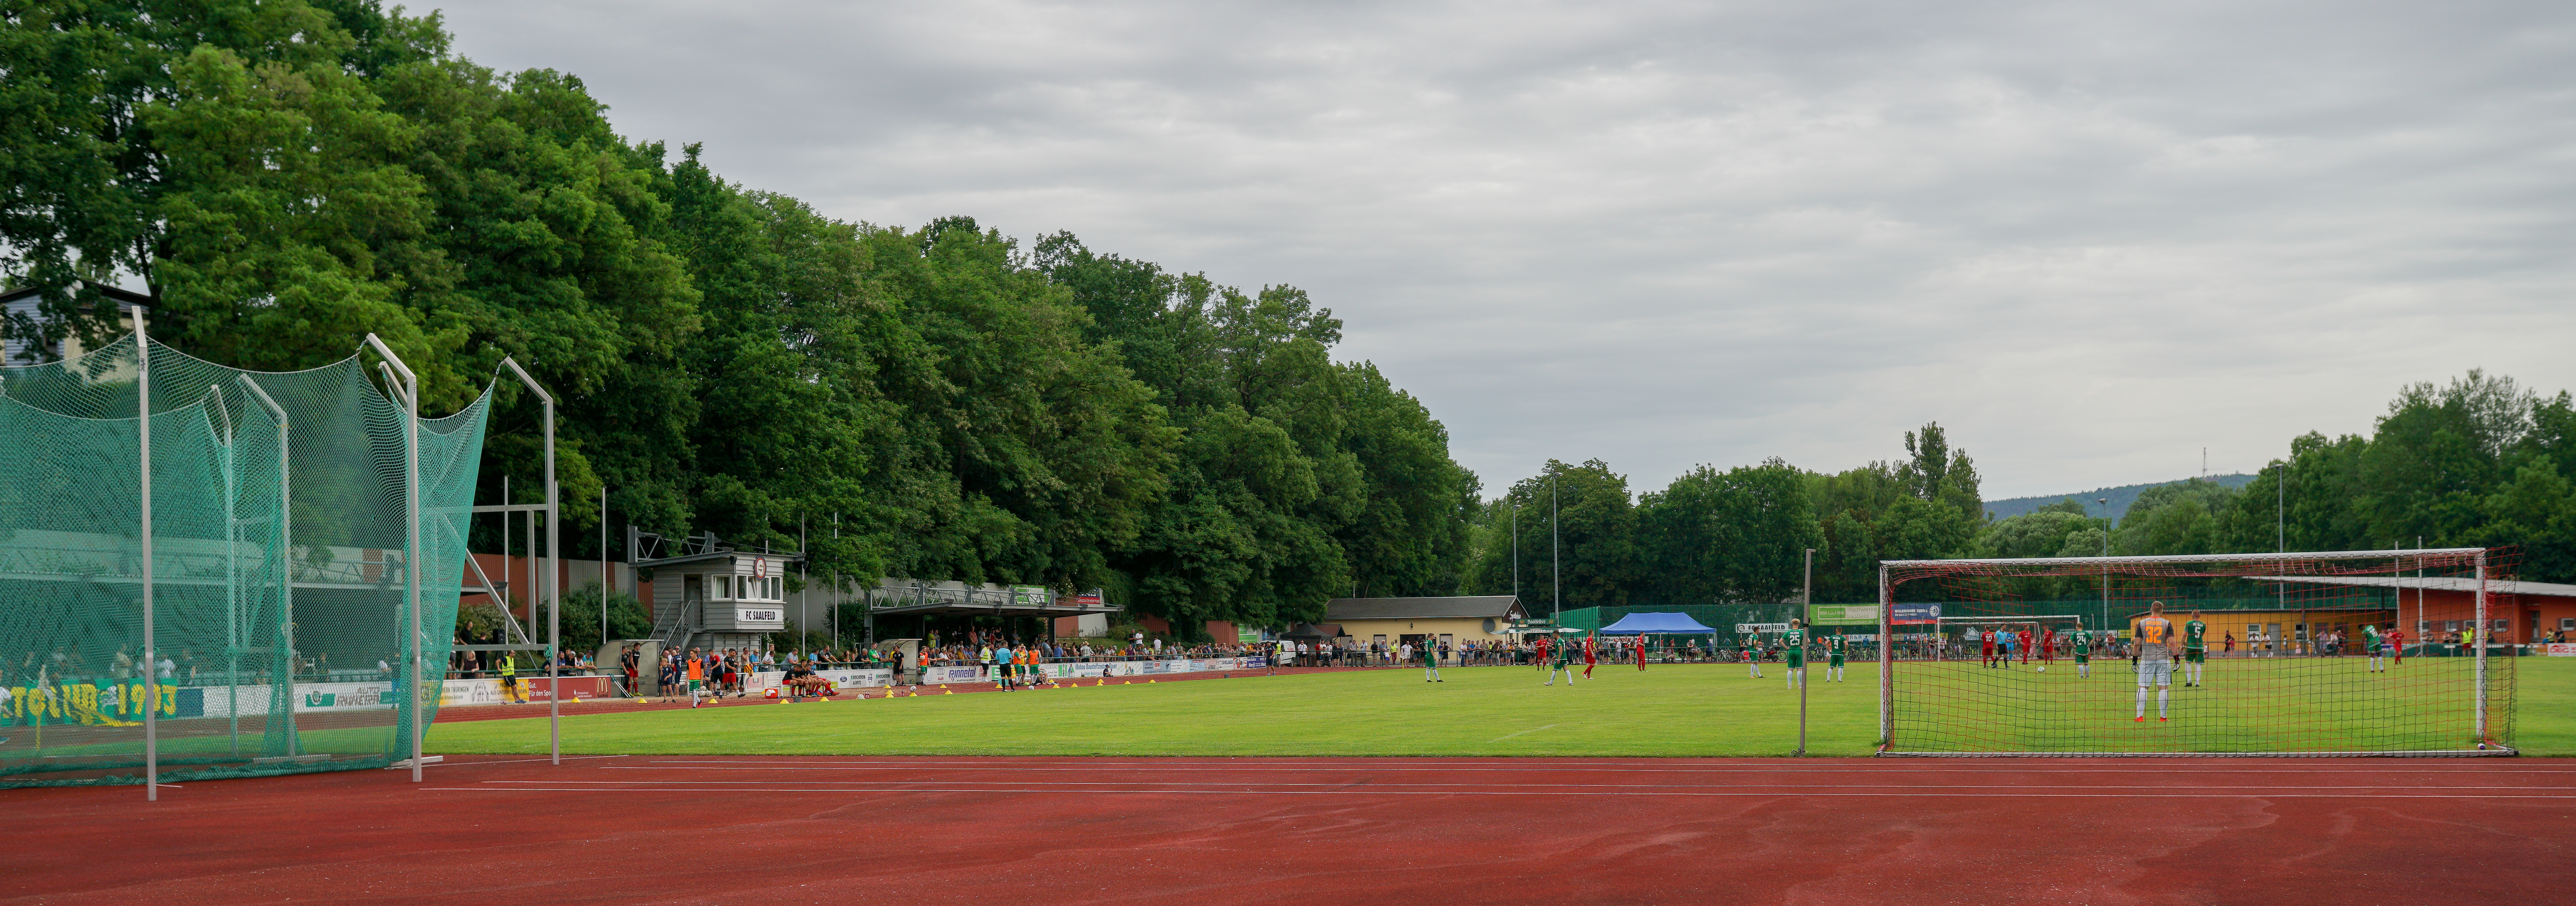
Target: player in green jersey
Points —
{"points": [[1431, 662], [1793, 647], [2083, 644], [2371, 642], [1560, 657], [2195, 648], [1834, 658]]}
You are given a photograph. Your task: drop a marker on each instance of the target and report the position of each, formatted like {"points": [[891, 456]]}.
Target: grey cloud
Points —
{"points": [[2090, 238]]}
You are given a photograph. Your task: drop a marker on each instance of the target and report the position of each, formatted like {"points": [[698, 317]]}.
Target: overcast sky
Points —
{"points": [[2090, 239]]}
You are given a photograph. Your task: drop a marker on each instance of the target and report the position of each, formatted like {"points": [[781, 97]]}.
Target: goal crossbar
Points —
{"points": [[2193, 558]]}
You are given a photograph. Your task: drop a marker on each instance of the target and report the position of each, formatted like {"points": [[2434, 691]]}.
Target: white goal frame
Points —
{"points": [[2477, 557]]}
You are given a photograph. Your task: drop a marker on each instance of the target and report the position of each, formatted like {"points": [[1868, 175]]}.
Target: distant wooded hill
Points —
{"points": [[2120, 497]]}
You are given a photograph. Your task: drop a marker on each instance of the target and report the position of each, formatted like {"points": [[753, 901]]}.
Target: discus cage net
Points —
{"points": [[281, 562], [2286, 666]]}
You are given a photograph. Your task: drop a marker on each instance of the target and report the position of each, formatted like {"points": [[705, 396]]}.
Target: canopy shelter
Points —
{"points": [[1657, 624]]}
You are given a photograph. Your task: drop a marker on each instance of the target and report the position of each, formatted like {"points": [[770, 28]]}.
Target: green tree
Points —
{"points": [[1737, 535]]}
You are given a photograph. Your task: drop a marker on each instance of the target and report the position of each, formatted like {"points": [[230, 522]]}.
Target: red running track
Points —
{"points": [[753, 831]]}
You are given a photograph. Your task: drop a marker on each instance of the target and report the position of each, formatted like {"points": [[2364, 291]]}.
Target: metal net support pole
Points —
{"points": [[143, 443], [409, 388], [550, 587]]}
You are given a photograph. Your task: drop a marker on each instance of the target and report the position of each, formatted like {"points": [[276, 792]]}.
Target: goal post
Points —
{"points": [[2271, 654]]}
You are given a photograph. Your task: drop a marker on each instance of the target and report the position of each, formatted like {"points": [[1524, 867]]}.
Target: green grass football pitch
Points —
{"points": [[1683, 710]]}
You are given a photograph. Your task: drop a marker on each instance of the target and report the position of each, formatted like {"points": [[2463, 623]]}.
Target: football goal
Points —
{"points": [[2334, 653]]}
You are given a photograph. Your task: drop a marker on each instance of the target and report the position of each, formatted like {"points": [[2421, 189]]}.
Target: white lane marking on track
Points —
{"points": [[463, 764], [1530, 730], [1588, 786], [1382, 792], [1609, 771]]}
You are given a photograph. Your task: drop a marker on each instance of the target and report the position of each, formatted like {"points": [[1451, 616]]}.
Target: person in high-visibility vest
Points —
{"points": [[510, 691]]}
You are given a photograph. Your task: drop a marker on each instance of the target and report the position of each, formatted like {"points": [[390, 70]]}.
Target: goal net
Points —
{"points": [[2270, 654], [280, 556]]}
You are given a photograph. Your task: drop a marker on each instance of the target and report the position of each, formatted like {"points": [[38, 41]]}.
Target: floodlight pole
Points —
{"points": [[409, 390], [2106, 568], [547, 586], [285, 557], [1555, 561], [143, 443]]}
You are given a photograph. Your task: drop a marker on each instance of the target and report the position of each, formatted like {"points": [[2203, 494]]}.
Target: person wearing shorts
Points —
{"points": [[1753, 656], [1589, 658], [1793, 649], [2195, 649], [1560, 658], [2083, 645], [1988, 637], [2155, 659], [1431, 663], [696, 675], [1834, 658], [2372, 644], [2397, 644]]}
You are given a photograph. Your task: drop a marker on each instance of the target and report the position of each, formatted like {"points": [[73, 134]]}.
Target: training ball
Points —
{"points": [[769, 693], [2043, 670]]}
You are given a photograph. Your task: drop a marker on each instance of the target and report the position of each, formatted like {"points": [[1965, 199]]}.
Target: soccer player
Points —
{"points": [[2048, 646], [1560, 657], [2370, 642], [2083, 642], [2195, 648], [2155, 659], [1753, 655], [1431, 663], [1988, 637], [1834, 658], [2397, 643], [1793, 647], [1590, 657]]}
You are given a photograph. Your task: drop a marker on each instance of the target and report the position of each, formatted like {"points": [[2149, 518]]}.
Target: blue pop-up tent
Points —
{"points": [[1657, 624]]}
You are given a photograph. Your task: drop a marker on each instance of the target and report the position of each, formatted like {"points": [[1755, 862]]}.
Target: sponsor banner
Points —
{"points": [[1842, 615], [965, 674], [760, 683], [2562, 649], [574, 687], [311, 697], [1914, 614], [1751, 628], [468, 691]]}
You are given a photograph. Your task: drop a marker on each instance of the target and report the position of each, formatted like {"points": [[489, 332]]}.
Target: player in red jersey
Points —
{"points": [[2397, 643], [2024, 636], [1989, 637], [1588, 658], [2048, 646]]}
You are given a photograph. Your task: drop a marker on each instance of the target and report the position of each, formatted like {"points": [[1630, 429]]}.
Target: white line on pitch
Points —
{"points": [[1591, 786], [1292, 767], [1371, 791], [1530, 730]]}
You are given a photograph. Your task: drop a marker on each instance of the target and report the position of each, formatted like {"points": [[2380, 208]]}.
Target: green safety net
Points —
{"points": [[280, 567]]}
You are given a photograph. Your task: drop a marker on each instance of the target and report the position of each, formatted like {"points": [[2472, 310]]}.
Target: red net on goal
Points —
{"points": [[2354, 652]]}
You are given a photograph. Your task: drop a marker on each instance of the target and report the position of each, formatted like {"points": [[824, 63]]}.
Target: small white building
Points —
{"points": [[718, 599]]}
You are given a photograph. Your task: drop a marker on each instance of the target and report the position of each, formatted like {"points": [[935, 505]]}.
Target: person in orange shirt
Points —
{"points": [[697, 676]]}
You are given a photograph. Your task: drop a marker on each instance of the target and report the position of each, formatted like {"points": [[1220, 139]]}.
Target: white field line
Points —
{"points": [[1412, 767], [1586, 786], [2022, 794], [1510, 735]]}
